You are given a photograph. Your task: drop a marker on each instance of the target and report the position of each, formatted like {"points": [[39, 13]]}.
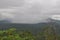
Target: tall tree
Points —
{"points": [[50, 32]]}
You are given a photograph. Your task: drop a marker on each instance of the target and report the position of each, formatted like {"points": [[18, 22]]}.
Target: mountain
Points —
{"points": [[35, 28], [4, 21], [28, 27]]}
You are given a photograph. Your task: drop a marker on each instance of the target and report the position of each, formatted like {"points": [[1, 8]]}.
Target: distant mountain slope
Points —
{"points": [[4, 21], [29, 27]]}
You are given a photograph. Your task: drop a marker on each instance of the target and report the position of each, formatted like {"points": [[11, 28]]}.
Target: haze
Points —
{"points": [[29, 11]]}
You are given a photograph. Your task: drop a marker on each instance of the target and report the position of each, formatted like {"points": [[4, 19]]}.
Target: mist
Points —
{"points": [[28, 11]]}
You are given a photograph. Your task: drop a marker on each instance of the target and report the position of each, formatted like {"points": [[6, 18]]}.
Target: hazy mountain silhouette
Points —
{"points": [[29, 27], [4, 21]]}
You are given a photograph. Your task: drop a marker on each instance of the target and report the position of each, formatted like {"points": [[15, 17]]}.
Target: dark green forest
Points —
{"points": [[39, 32]]}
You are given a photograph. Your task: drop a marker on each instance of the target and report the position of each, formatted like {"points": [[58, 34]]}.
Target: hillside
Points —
{"points": [[30, 27]]}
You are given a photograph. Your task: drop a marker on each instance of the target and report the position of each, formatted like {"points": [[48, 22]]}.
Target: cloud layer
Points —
{"points": [[29, 11]]}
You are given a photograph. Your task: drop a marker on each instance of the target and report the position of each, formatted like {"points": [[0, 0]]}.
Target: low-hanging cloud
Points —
{"points": [[30, 11]]}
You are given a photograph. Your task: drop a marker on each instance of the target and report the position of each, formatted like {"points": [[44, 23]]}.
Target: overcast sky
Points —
{"points": [[28, 11]]}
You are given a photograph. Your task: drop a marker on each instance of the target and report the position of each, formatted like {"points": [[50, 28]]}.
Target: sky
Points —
{"points": [[55, 17], [28, 11]]}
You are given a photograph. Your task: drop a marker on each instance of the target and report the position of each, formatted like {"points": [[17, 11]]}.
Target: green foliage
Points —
{"points": [[12, 34], [46, 33]]}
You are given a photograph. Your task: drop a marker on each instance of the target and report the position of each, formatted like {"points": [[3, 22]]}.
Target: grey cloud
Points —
{"points": [[31, 12]]}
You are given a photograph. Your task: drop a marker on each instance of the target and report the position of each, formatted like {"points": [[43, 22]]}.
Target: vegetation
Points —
{"points": [[47, 33], [12, 34]]}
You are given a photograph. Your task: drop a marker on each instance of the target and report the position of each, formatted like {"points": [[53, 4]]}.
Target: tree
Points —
{"points": [[50, 33], [12, 34]]}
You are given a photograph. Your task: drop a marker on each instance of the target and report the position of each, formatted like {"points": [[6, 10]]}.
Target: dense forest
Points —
{"points": [[46, 31]]}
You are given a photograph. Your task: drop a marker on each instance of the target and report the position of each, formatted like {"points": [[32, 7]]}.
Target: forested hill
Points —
{"points": [[30, 27]]}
